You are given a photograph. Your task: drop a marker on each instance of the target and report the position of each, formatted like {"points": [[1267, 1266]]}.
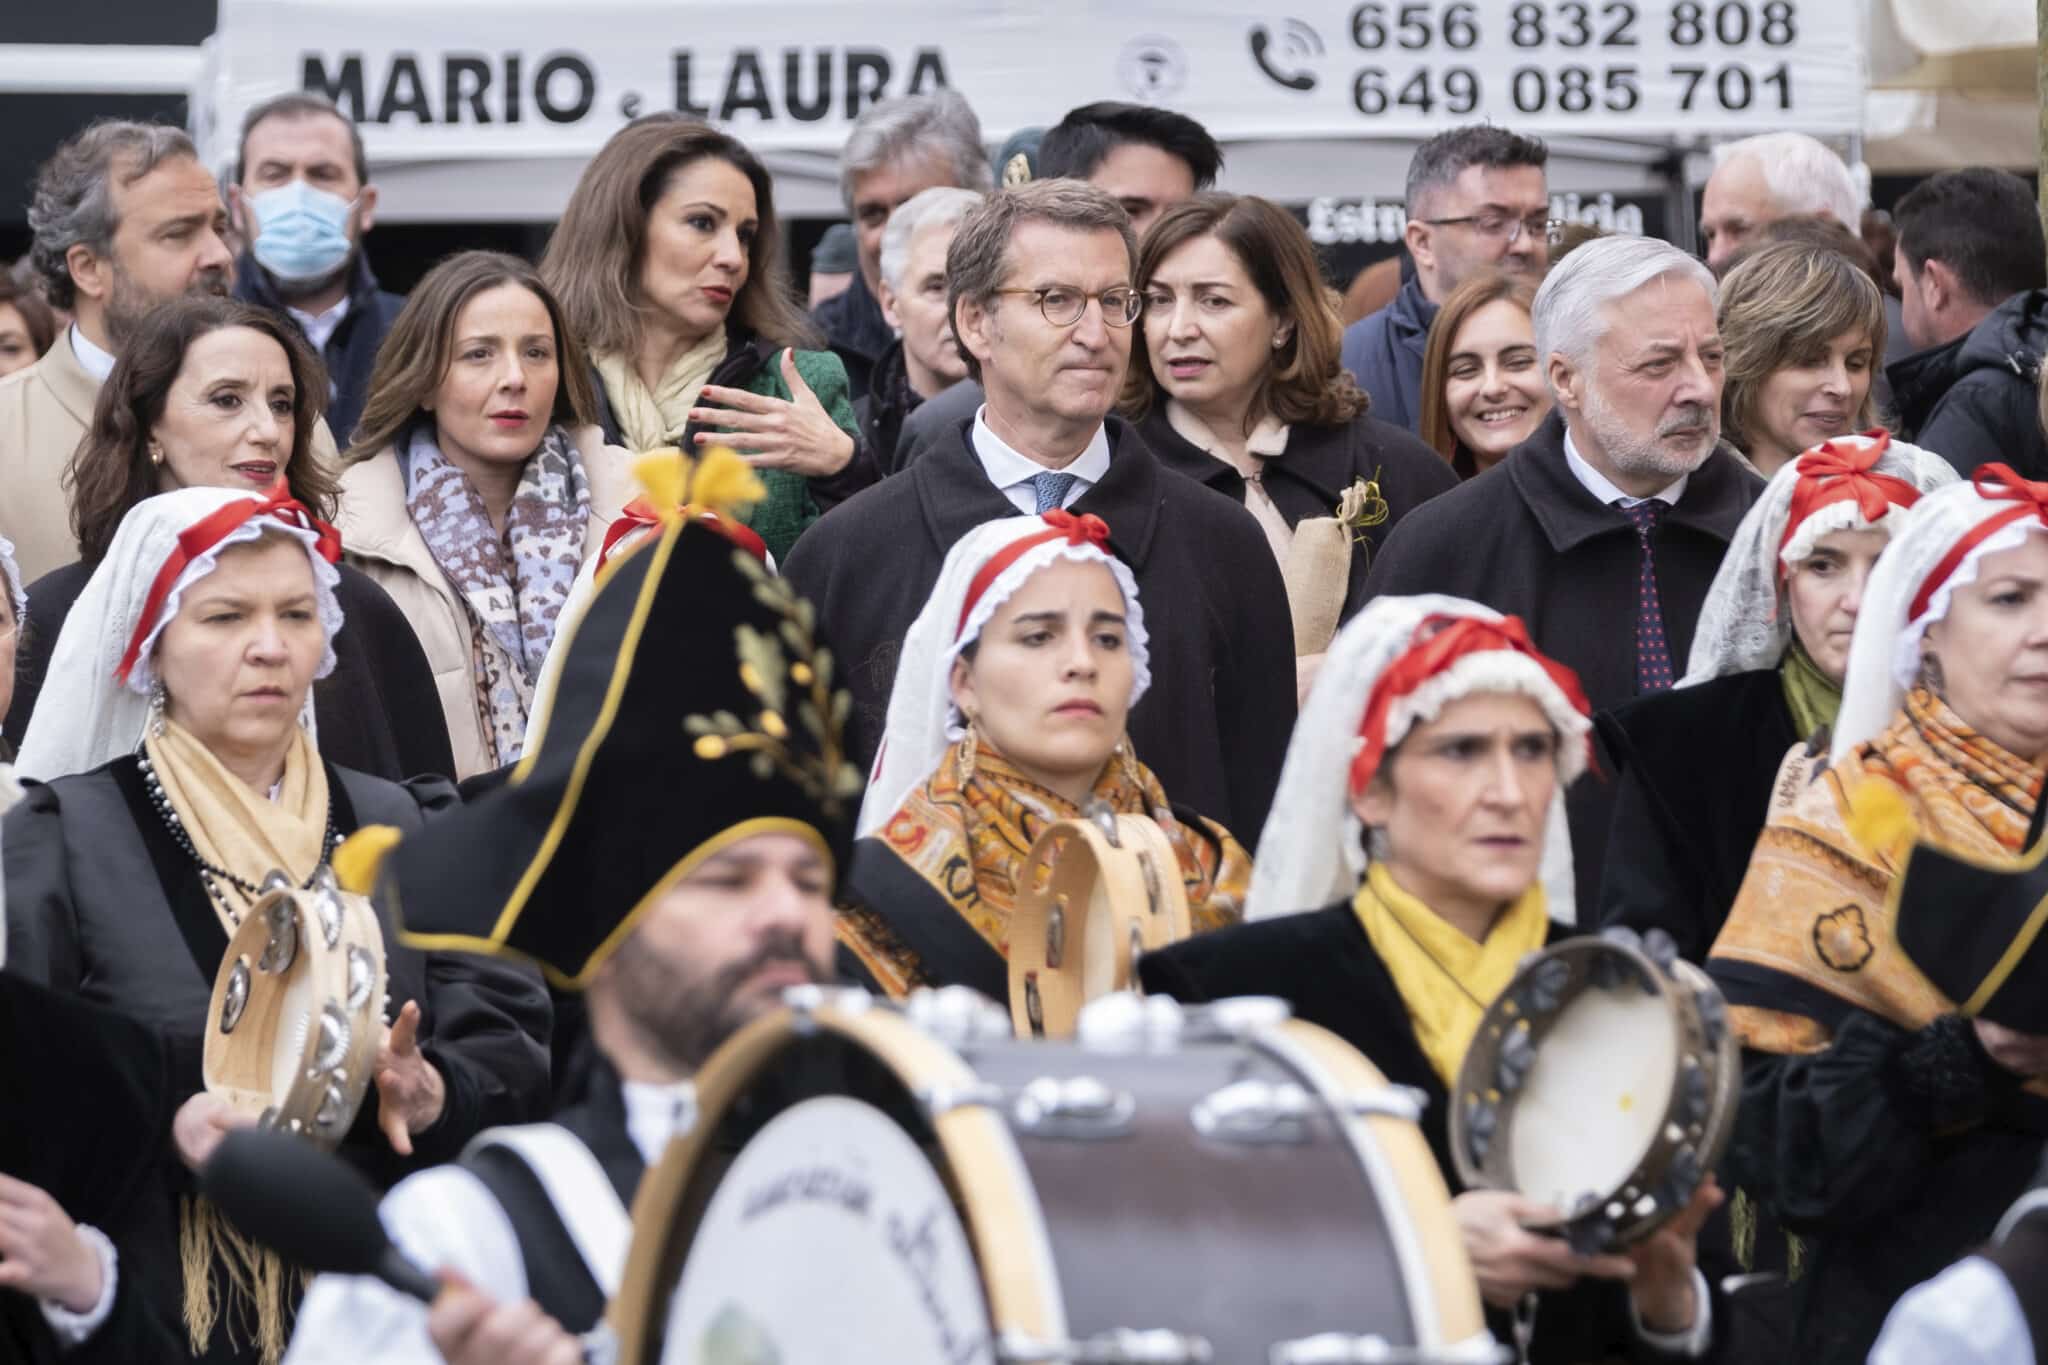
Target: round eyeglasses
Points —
{"points": [[1063, 304]]}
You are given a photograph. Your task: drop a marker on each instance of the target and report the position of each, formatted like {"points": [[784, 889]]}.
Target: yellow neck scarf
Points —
{"points": [[650, 420], [235, 827], [1446, 980]]}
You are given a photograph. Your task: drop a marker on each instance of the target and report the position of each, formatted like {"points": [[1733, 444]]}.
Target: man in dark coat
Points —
{"points": [[1215, 724], [303, 200], [925, 359], [897, 149], [1476, 201], [1563, 533], [1970, 273]]}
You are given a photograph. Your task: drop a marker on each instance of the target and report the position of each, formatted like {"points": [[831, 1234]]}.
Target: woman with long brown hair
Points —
{"points": [[210, 393], [1483, 391], [668, 263], [477, 486], [1235, 381]]}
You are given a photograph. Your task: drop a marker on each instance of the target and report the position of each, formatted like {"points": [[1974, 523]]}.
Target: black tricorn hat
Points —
{"points": [[694, 708], [1975, 931]]}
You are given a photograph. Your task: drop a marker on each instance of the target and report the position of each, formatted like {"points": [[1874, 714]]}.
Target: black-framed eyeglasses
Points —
{"points": [[1063, 304], [1504, 227]]}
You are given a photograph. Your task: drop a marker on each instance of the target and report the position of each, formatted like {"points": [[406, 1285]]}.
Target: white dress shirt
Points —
{"points": [[95, 362], [319, 327], [1602, 487], [1966, 1315], [1011, 471], [444, 1218]]}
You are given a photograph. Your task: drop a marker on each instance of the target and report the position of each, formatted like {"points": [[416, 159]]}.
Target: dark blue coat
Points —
{"points": [[1383, 351]]}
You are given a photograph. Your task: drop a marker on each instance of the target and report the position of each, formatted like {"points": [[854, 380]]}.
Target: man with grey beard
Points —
{"points": [[1603, 530]]}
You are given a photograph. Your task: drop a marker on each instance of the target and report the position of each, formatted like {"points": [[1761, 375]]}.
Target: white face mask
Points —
{"points": [[301, 232]]}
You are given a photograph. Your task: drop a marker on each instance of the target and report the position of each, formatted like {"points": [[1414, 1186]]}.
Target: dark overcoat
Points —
{"points": [[1214, 725], [1527, 539], [1309, 478]]}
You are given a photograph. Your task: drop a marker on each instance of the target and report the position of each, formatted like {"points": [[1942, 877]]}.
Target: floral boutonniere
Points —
{"points": [[1362, 507]]}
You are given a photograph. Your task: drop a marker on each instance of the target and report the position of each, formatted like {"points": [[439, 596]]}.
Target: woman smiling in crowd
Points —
{"points": [[1483, 393]]}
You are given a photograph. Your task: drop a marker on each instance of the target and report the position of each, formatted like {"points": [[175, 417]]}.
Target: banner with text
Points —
{"points": [[520, 78]]}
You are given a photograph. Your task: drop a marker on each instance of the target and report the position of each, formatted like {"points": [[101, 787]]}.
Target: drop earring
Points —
{"points": [[158, 698], [963, 767]]}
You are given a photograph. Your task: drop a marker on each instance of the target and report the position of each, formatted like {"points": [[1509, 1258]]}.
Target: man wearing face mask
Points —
{"points": [[302, 201]]}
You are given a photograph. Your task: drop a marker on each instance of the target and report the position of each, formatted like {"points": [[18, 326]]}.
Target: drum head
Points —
{"points": [[831, 1227]]}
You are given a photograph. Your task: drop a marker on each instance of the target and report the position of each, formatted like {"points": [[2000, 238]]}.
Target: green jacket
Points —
{"points": [[756, 366]]}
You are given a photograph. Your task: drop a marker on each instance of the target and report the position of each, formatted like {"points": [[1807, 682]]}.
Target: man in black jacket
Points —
{"points": [[302, 199], [1970, 270], [924, 359], [1604, 530], [897, 149], [1042, 305]]}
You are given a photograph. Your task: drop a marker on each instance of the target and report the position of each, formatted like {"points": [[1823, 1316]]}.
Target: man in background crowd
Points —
{"points": [[1970, 270], [833, 264], [302, 201], [898, 148], [925, 359], [124, 217], [1477, 199], [1759, 180]]}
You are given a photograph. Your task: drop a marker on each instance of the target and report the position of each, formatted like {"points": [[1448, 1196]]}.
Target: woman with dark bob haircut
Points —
{"points": [[1235, 381], [668, 263], [210, 393], [477, 487]]}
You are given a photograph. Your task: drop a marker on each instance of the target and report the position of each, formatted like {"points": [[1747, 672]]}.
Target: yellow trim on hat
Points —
{"points": [[2008, 961], [682, 868]]}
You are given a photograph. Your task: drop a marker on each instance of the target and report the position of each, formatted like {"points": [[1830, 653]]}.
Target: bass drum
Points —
{"points": [[917, 1186]]}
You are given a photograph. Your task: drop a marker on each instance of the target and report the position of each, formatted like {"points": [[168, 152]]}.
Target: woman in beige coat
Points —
{"points": [[478, 486]]}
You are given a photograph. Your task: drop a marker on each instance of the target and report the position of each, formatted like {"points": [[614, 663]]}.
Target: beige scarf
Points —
{"points": [[649, 421], [235, 827]]}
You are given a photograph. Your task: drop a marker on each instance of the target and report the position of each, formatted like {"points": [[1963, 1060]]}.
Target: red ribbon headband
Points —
{"points": [[1830, 473], [640, 512], [1439, 642], [1086, 529], [1994, 483], [205, 535]]}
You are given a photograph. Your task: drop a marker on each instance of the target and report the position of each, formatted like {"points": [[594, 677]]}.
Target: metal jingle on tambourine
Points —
{"points": [[237, 998], [362, 978], [334, 1036], [283, 927], [327, 910]]}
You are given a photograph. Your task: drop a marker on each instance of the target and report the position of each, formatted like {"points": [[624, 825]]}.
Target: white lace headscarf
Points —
{"points": [[1744, 624], [1939, 548], [1312, 851], [86, 714], [923, 722]]}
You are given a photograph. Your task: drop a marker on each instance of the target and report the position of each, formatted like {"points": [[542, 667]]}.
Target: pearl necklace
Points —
{"points": [[209, 871]]}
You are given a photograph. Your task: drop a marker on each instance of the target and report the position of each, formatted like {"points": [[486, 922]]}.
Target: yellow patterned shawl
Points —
{"points": [[990, 823], [1812, 914]]}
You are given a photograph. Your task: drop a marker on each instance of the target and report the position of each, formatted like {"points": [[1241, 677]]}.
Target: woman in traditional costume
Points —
{"points": [[1878, 1121], [1768, 656], [1007, 716], [1427, 844], [181, 775]]}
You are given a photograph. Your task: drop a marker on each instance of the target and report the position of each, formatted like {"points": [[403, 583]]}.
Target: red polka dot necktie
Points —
{"points": [[1653, 651]]}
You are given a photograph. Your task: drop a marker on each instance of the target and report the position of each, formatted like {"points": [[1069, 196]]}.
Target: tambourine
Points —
{"points": [[1602, 1082], [1096, 894], [298, 1009]]}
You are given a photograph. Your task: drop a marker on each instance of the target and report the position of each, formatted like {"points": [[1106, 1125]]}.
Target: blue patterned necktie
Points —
{"points": [[1051, 490], [1653, 651]]}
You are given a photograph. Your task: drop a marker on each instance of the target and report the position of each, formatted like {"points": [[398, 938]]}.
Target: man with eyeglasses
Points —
{"points": [[1039, 290], [1477, 200]]}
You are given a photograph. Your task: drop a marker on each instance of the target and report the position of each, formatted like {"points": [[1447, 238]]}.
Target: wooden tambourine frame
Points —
{"points": [[1698, 1117], [1096, 894], [978, 1160], [304, 976]]}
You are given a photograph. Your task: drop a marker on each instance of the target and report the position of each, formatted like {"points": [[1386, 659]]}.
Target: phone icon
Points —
{"points": [[1298, 44]]}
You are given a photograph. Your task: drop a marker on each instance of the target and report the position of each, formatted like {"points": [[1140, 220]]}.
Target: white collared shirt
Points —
{"points": [[445, 1218], [1011, 471], [319, 327], [94, 361], [1601, 487]]}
